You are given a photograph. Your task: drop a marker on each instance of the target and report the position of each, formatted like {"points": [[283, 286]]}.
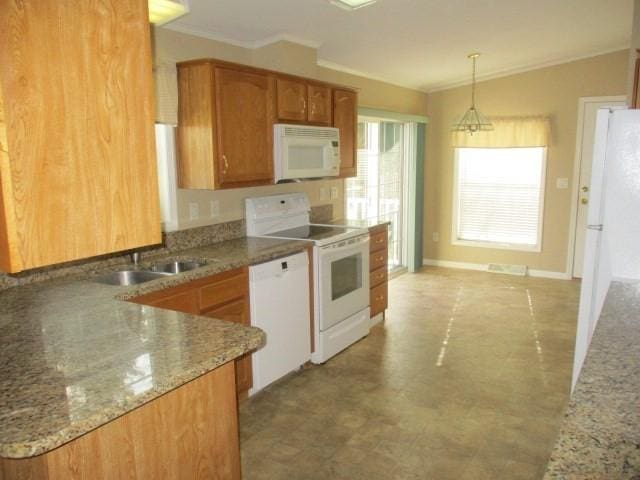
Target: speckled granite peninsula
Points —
{"points": [[74, 355], [600, 435]]}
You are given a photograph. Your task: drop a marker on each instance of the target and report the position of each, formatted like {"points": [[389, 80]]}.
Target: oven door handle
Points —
{"points": [[339, 247]]}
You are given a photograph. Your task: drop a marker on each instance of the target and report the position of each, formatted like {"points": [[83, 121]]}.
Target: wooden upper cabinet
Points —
{"points": [[345, 117], [225, 126], [291, 100], [244, 114], [299, 101], [77, 143], [319, 104]]}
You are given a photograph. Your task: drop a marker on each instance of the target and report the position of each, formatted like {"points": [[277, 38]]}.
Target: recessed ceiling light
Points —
{"points": [[165, 11], [352, 4]]}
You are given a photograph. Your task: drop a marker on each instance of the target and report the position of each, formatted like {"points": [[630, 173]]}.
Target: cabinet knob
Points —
{"points": [[584, 201], [585, 189]]}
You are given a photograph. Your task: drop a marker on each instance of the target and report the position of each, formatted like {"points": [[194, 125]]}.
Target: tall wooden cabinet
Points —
{"points": [[345, 117], [77, 144]]}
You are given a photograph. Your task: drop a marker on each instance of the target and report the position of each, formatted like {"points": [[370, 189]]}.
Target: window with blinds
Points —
{"points": [[498, 197]]}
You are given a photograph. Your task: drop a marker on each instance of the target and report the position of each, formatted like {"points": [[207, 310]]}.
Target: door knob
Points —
{"points": [[585, 189], [584, 201]]}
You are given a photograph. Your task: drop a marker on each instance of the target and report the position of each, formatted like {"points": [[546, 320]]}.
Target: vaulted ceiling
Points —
{"points": [[423, 44]]}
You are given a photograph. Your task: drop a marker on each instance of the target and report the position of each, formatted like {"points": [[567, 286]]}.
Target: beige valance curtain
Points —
{"points": [[508, 132]]}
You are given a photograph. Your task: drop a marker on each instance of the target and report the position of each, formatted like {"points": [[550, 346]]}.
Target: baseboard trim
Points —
{"points": [[482, 267]]}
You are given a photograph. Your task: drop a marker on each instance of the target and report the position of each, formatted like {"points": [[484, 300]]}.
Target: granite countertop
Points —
{"points": [[74, 355], [600, 434]]}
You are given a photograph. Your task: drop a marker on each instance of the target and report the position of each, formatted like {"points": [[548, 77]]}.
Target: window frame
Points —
{"points": [[537, 248]]}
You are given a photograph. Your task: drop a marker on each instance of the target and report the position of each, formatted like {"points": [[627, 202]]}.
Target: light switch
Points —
{"points": [[436, 236], [562, 183]]}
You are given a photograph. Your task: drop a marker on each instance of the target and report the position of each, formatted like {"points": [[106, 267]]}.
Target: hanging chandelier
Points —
{"points": [[472, 120]]}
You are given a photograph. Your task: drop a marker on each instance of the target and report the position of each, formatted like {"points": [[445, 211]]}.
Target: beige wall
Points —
{"points": [[171, 46], [553, 92]]}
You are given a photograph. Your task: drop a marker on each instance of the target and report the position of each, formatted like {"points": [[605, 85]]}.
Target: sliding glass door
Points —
{"points": [[379, 191]]}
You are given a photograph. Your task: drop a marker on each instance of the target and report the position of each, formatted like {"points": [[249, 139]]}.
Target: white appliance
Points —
{"points": [[300, 151], [167, 175], [340, 267], [279, 292], [613, 231]]}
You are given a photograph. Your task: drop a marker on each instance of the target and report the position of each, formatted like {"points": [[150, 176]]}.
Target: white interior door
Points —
{"points": [[586, 130]]}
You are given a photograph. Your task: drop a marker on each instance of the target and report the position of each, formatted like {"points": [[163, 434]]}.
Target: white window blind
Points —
{"points": [[498, 197]]}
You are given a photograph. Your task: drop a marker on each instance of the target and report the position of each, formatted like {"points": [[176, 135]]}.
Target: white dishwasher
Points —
{"points": [[279, 292]]}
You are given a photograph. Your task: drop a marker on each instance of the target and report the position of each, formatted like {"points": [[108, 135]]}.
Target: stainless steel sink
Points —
{"points": [[130, 277], [177, 267]]}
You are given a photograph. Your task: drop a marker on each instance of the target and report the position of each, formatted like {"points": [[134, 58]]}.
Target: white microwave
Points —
{"points": [[300, 151]]}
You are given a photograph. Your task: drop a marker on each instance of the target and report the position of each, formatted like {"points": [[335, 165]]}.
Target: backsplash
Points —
{"points": [[172, 242]]}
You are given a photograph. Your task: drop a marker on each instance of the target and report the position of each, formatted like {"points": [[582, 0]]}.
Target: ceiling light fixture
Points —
{"points": [[165, 11], [472, 120], [352, 4]]}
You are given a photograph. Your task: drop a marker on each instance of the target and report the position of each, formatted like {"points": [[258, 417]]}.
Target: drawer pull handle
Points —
{"points": [[380, 240]]}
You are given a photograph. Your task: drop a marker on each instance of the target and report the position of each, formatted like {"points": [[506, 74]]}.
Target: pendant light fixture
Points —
{"points": [[472, 120]]}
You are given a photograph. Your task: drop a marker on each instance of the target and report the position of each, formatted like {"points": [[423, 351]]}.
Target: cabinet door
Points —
{"points": [[244, 113], [345, 118], [319, 104], [76, 125], [292, 100], [238, 312]]}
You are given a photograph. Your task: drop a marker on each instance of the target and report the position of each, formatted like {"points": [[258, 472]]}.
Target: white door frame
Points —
{"points": [[575, 188]]}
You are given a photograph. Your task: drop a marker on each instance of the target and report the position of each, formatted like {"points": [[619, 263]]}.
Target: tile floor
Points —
{"points": [[467, 379]]}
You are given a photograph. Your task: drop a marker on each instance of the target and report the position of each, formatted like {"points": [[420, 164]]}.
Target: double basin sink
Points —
{"points": [[134, 277]]}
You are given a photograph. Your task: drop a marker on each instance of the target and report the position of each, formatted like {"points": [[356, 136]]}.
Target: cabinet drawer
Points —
{"points": [[223, 291], [378, 276], [378, 240], [378, 299], [377, 260]]}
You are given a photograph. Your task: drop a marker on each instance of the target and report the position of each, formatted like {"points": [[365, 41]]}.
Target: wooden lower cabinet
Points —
{"points": [[224, 296], [190, 432], [378, 278], [237, 311]]}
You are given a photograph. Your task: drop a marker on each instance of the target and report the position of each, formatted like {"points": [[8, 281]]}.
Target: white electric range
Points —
{"points": [[340, 267]]}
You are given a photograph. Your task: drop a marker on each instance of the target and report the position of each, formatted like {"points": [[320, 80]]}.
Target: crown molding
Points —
{"points": [[521, 69], [250, 45], [362, 73]]}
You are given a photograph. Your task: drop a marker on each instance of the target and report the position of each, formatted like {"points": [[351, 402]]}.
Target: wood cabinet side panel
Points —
{"points": [[190, 432], [82, 144], [10, 258], [196, 127]]}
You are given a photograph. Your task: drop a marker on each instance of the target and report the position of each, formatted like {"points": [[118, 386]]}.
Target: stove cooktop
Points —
{"points": [[320, 234]]}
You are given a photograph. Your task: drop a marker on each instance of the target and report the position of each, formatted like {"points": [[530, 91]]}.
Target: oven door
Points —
{"points": [[343, 280]]}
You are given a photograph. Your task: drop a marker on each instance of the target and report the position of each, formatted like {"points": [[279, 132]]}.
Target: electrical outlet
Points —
{"points": [[215, 208], [334, 193], [323, 193], [436, 237], [562, 183], [194, 211]]}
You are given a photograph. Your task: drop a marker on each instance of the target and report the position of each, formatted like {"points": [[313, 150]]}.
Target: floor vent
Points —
{"points": [[520, 270]]}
